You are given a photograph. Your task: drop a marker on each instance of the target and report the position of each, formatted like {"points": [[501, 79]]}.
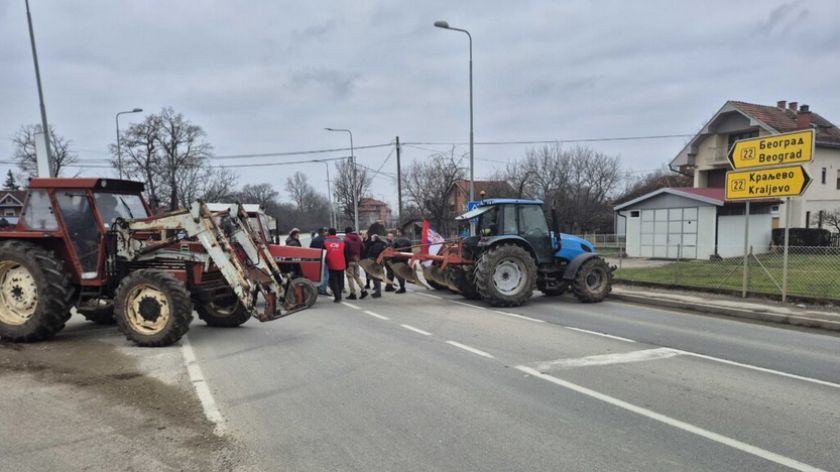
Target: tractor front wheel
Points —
{"points": [[223, 312], [153, 308], [506, 275], [593, 281], [35, 292]]}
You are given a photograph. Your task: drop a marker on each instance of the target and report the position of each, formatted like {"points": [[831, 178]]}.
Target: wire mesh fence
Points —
{"points": [[810, 272]]}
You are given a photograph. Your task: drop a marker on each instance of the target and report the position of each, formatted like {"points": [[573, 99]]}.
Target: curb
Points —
{"points": [[795, 320]]}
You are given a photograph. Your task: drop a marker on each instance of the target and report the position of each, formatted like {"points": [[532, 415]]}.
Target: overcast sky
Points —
{"points": [[267, 76]]}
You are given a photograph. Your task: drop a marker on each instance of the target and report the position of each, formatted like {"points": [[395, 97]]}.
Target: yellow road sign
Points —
{"points": [[788, 148], [789, 181]]}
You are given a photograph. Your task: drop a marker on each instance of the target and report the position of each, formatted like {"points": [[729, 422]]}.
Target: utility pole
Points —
{"points": [[44, 127], [399, 183]]}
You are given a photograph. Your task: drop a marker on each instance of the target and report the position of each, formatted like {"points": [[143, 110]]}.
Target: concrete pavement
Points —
{"points": [[428, 381]]}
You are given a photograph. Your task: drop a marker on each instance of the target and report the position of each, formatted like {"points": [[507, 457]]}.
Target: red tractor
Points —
{"points": [[90, 243]]}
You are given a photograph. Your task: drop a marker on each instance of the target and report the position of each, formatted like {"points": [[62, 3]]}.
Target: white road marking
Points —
{"points": [[427, 295], [208, 403], [351, 305], [468, 304], [470, 349], [521, 317], [609, 359], [600, 334], [761, 369], [416, 330], [377, 315], [719, 438]]}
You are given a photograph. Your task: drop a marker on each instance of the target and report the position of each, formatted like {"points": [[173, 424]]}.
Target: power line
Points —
{"points": [[297, 153], [552, 141]]}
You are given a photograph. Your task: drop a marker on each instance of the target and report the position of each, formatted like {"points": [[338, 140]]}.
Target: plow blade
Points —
{"points": [[403, 271], [375, 270], [434, 275]]}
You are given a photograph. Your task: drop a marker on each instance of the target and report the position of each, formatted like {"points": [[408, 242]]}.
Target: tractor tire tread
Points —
{"points": [[581, 291], [53, 309], [484, 275], [180, 301]]}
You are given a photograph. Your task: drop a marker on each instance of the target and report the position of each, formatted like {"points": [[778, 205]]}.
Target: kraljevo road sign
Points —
{"points": [[787, 181]]}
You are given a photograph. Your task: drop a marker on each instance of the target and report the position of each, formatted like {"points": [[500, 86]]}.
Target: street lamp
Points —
{"points": [[354, 183], [445, 25], [119, 153]]}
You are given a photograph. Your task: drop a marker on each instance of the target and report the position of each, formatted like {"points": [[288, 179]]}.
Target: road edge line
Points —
{"points": [[202, 390]]}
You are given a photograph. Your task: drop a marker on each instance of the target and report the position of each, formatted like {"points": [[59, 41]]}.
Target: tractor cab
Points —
{"points": [[503, 218], [76, 214]]}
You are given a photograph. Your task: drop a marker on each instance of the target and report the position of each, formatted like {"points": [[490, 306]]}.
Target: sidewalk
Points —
{"points": [[754, 309]]}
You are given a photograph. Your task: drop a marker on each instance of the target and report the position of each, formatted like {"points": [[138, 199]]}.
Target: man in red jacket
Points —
{"points": [[353, 249], [336, 263]]}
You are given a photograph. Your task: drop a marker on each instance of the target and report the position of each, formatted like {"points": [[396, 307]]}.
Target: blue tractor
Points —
{"points": [[513, 252]]}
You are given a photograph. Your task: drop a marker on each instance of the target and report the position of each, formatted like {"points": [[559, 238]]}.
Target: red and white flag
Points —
{"points": [[431, 241]]}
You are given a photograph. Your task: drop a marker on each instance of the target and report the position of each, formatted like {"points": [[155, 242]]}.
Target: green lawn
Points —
{"points": [[816, 276]]}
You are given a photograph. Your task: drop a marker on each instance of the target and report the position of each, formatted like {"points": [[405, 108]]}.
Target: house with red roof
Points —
{"points": [[705, 156], [698, 222]]}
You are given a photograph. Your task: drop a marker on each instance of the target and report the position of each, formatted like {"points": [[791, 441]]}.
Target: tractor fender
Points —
{"points": [[572, 268], [489, 241]]}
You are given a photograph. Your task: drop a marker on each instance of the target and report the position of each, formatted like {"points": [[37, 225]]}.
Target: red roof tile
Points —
{"points": [[708, 192], [784, 120]]}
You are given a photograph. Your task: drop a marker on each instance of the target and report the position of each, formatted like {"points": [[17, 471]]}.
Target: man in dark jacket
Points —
{"points": [[373, 250], [318, 243], [404, 244], [353, 249]]}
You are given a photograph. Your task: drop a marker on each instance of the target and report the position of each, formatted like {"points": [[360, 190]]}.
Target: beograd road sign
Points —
{"points": [[788, 148], [788, 181]]}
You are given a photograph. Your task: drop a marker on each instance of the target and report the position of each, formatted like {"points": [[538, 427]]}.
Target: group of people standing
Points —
{"points": [[343, 256]]}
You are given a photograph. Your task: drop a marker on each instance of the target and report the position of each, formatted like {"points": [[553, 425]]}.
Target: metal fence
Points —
{"points": [[809, 272]]}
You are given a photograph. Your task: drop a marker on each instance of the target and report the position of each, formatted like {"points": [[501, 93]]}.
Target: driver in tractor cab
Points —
{"points": [[107, 205]]}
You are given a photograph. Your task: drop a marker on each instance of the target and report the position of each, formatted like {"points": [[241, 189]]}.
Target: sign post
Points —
{"points": [[769, 167]]}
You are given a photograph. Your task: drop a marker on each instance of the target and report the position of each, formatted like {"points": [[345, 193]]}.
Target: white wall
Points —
{"points": [[731, 234], [706, 221], [819, 196]]}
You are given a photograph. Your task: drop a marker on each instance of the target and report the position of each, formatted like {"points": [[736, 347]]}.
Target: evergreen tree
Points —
{"points": [[11, 183]]}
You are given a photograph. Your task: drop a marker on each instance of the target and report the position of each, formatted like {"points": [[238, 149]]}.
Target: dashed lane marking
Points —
{"points": [[416, 330], [377, 315], [208, 403], [596, 333], [470, 349], [427, 295], [351, 305], [521, 317], [690, 428]]}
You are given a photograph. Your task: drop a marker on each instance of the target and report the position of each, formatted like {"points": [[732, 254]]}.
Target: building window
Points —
{"points": [[9, 212], [807, 219], [838, 180], [737, 136], [824, 173], [634, 214]]}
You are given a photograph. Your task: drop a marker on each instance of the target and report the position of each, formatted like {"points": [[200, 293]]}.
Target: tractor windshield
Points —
{"points": [[115, 205]]}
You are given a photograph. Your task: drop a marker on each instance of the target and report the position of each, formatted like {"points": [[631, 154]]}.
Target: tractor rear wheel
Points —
{"points": [[153, 308], [35, 292], [506, 275], [463, 279], [223, 312], [593, 281]]}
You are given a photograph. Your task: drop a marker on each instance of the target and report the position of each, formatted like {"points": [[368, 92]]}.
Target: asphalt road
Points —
{"points": [[428, 381]]}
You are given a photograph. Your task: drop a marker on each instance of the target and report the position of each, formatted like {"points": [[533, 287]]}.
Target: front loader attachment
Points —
{"points": [[231, 244]]}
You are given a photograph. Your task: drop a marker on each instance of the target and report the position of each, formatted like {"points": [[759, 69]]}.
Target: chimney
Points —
{"points": [[793, 106], [781, 104], [803, 118]]}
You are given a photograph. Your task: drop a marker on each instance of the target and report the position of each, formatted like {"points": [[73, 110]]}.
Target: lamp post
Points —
{"points": [[354, 183], [445, 25], [44, 127], [119, 152]]}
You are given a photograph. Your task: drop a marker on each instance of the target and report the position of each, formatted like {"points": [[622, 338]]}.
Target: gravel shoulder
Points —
{"points": [[86, 400]]}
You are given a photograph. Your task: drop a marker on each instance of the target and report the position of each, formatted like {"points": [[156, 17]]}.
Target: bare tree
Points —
{"points": [[427, 185], [141, 157], [828, 218], [649, 182], [210, 184], [313, 208], [344, 188], [182, 147], [61, 154], [584, 201], [261, 194]]}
